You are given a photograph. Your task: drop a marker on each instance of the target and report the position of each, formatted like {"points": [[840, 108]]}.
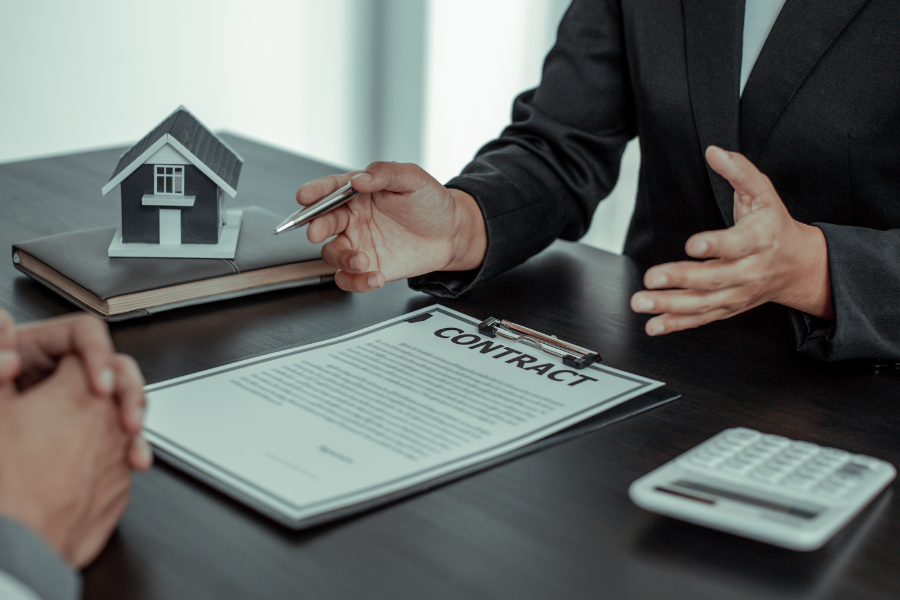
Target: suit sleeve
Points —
{"points": [[32, 565], [865, 288], [546, 173]]}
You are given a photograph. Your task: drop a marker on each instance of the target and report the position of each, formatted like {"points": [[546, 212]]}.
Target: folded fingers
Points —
{"points": [[10, 363], [339, 254], [353, 274], [359, 282], [328, 225]]}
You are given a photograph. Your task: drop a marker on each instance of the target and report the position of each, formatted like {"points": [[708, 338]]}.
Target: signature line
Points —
{"points": [[293, 466]]}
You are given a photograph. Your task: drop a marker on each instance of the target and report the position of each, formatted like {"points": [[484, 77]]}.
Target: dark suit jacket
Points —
{"points": [[820, 115]]}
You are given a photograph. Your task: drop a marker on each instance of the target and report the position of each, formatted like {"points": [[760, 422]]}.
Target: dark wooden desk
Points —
{"points": [[555, 524]]}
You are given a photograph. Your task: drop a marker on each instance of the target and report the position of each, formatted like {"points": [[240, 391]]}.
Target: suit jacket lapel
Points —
{"points": [[714, 31], [802, 33]]}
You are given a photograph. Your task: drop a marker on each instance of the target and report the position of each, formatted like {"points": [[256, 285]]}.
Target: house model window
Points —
{"points": [[170, 179]]}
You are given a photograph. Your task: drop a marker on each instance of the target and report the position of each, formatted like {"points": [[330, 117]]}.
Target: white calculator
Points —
{"points": [[766, 487]]}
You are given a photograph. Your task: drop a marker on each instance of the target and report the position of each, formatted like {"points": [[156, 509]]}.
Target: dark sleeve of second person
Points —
{"points": [[546, 173]]}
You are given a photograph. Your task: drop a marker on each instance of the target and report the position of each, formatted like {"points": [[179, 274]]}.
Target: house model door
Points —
{"points": [[169, 226], [169, 197]]}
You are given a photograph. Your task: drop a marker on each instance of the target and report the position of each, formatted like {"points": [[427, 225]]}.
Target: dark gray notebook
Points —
{"points": [[76, 266]]}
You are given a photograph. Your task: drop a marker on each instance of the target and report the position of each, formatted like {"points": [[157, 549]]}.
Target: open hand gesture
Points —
{"points": [[766, 256]]}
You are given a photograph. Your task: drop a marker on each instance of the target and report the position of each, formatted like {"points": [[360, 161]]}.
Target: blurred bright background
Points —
{"points": [[344, 82]]}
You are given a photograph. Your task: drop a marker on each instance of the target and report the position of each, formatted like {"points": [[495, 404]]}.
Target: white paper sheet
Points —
{"points": [[315, 429]]}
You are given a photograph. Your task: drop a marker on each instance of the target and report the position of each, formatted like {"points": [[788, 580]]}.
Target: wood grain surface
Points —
{"points": [[554, 524]]}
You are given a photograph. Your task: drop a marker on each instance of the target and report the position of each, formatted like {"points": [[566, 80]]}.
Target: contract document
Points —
{"points": [[320, 431]]}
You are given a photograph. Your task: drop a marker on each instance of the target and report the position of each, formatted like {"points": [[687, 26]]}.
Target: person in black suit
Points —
{"points": [[784, 191]]}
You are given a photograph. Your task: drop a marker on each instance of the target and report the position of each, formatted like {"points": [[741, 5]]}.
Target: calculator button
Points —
{"points": [[793, 457], [736, 466], [804, 448], [703, 459], [823, 465], [741, 435], [854, 468], [843, 479], [864, 461], [754, 454], [808, 474], [830, 490], [777, 464], [774, 441], [798, 454], [767, 475], [834, 456], [796, 482], [715, 448], [723, 449], [707, 451]]}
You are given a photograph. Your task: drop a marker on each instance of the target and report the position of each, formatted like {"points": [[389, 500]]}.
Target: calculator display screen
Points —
{"points": [[803, 510]]}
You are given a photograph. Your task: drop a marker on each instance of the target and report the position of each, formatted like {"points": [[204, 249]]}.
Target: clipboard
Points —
{"points": [[175, 424]]}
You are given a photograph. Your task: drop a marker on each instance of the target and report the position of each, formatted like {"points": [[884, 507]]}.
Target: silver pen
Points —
{"points": [[317, 209]]}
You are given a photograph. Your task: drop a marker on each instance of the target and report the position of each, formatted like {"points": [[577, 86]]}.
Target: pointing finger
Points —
{"points": [[319, 188], [392, 177]]}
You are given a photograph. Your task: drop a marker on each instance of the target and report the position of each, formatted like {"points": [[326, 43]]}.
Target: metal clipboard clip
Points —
{"points": [[572, 355]]}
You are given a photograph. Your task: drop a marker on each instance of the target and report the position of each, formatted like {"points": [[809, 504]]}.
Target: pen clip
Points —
{"points": [[572, 355]]}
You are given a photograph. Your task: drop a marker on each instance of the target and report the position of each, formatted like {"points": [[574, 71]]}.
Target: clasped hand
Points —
{"points": [[71, 414], [30, 353], [766, 256]]}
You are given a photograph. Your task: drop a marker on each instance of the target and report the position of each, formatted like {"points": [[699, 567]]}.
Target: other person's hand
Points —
{"points": [[403, 223], [30, 353], [766, 256], [63, 466]]}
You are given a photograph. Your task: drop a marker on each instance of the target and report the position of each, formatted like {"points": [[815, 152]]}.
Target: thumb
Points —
{"points": [[10, 362], [752, 188]]}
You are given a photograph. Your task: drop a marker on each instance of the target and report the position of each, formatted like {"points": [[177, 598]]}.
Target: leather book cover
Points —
{"points": [[81, 257]]}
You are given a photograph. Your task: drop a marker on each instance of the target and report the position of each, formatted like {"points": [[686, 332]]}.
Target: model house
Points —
{"points": [[173, 184]]}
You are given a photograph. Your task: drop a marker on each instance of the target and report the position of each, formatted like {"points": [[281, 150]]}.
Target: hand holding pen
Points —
{"points": [[401, 223]]}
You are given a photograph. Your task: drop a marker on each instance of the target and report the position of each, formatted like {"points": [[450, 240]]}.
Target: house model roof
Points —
{"points": [[204, 149]]}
